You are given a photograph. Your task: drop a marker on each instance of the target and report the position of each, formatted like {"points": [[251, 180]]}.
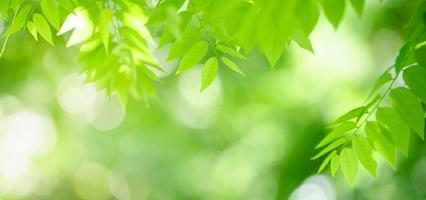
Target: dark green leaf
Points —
{"points": [[408, 105], [396, 126], [415, 78]]}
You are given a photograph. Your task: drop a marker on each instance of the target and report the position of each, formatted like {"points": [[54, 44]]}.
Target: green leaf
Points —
{"points": [[396, 126], [349, 165], [104, 23], [354, 113], [43, 27], [4, 7], [420, 53], [335, 162], [193, 56], [32, 29], [230, 51], [410, 108], [20, 20], [330, 147], [364, 152], [382, 80], [380, 142], [302, 39], [326, 161], [358, 5], [51, 11], [231, 65], [180, 46], [415, 78], [208, 72], [338, 132], [334, 10]]}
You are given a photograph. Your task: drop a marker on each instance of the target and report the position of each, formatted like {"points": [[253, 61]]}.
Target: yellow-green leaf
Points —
{"points": [[20, 20], [415, 78], [104, 23], [334, 165], [43, 27], [51, 11], [193, 56], [326, 161], [349, 165], [364, 152], [334, 10], [32, 29], [208, 72], [330, 147], [380, 142], [338, 132], [231, 65]]}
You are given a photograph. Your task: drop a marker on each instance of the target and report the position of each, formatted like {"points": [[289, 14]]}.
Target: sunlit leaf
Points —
{"points": [[349, 165], [335, 163], [230, 51], [80, 21], [104, 25], [32, 29], [354, 113], [358, 6]]}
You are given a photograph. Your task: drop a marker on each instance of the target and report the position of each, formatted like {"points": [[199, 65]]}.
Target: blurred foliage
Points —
{"points": [[241, 138]]}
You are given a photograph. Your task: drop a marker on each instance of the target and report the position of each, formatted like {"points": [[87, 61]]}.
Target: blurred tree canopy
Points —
{"points": [[247, 132]]}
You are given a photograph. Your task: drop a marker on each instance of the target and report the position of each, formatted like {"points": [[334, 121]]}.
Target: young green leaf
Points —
{"points": [[415, 78], [230, 51], [326, 161], [338, 132], [208, 72], [349, 164], [20, 20], [43, 27], [334, 10], [104, 23], [193, 56], [358, 5], [330, 147], [408, 105], [51, 11], [32, 29], [396, 126], [380, 142], [334, 165], [382, 80], [4, 7], [231, 65], [364, 152], [354, 113]]}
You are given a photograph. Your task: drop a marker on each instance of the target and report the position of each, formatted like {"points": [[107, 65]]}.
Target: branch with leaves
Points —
{"points": [[357, 135]]}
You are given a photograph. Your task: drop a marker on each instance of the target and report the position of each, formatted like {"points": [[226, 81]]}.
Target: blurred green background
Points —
{"points": [[242, 138]]}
